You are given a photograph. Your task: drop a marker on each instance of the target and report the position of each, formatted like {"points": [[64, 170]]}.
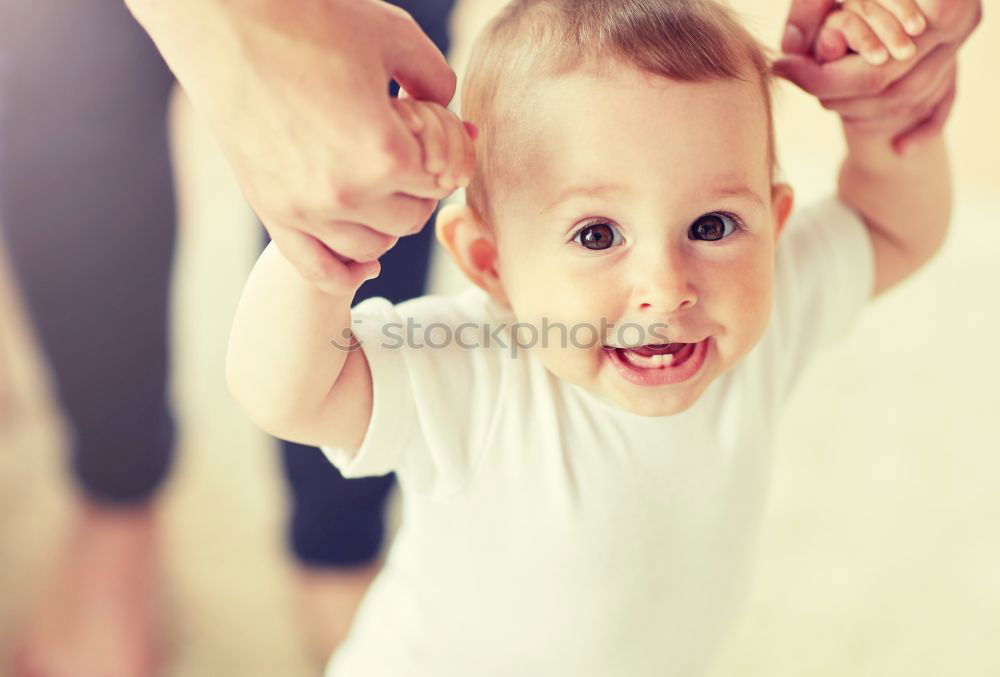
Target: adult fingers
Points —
{"points": [[918, 85], [319, 265], [418, 65], [353, 241], [851, 75], [847, 77], [930, 126], [392, 215], [804, 20], [905, 113], [830, 44]]}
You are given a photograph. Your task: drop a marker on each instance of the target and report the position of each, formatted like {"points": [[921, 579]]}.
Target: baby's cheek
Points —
{"points": [[554, 301], [742, 302], [755, 313]]}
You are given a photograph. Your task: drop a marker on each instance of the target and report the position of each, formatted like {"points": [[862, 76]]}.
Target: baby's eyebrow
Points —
{"points": [[733, 190], [738, 191], [583, 191]]}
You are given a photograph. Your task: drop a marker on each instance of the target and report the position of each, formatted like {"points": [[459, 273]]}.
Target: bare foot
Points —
{"points": [[328, 600], [97, 617]]}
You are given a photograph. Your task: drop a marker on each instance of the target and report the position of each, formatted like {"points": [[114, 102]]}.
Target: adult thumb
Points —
{"points": [[804, 20], [420, 68]]}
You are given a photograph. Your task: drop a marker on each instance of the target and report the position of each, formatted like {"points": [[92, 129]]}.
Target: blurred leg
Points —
{"points": [[336, 525], [87, 209], [87, 205]]}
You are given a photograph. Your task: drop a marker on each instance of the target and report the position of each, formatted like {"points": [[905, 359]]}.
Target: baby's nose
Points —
{"points": [[662, 286]]}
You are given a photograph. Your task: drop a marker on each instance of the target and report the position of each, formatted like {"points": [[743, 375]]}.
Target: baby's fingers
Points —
{"points": [[433, 139], [876, 33], [830, 45], [446, 142], [461, 153], [407, 110], [907, 12]]}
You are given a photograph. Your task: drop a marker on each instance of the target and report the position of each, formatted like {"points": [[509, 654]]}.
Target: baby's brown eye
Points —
{"points": [[712, 227], [598, 236]]}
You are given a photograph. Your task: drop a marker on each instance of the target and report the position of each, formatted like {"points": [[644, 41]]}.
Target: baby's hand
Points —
{"points": [[876, 29], [446, 141], [447, 147]]}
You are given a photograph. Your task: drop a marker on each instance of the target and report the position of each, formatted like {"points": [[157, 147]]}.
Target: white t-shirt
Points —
{"points": [[547, 531]]}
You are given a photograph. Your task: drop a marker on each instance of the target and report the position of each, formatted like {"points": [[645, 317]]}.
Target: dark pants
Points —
{"points": [[87, 210]]}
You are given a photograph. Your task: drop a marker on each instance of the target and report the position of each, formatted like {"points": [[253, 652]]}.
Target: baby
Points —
{"points": [[581, 437]]}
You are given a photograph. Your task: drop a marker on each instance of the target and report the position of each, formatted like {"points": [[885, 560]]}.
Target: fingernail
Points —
{"points": [[906, 51], [915, 24], [878, 57], [375, 272], [793, 40]]}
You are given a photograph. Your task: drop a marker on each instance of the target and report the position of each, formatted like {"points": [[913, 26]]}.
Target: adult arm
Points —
{"points": [[297, 93]]}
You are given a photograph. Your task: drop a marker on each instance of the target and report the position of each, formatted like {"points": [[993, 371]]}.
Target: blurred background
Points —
{"points": [[880, 552]]}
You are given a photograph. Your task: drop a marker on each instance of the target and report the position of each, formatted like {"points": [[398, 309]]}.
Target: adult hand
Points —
{"points": [[297, 93], [910, 99]]}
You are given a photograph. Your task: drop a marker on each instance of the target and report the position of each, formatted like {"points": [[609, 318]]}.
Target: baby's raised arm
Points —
{"points": [[283, 367], [904, 199], [293, 364]]}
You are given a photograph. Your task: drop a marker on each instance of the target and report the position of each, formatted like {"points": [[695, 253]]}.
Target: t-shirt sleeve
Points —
{"points": [[435, 386], [824, 277]]}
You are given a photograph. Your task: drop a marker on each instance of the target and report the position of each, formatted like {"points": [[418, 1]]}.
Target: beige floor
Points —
{"points": [[880, 554]]}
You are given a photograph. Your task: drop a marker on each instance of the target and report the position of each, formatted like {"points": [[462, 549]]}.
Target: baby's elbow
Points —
{"points": [[280, 419]]}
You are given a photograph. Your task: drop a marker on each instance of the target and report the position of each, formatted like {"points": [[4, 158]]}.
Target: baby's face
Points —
{"points": [[642, 202]]}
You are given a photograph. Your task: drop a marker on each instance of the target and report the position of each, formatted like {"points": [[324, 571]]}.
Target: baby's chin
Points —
{"points": [[655, 405]]}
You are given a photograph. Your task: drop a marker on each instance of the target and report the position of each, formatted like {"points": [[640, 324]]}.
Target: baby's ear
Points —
{"points": [[471, 244], [782, 199]]}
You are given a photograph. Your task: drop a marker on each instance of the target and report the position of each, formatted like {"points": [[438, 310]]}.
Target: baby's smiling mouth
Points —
{"points": [[655, 356], [659, 364]]}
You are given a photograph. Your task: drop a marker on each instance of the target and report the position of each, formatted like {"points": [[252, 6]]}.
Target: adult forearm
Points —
{"points": [[287, 347], [200, 41], [907, 198], [170, 20]]}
